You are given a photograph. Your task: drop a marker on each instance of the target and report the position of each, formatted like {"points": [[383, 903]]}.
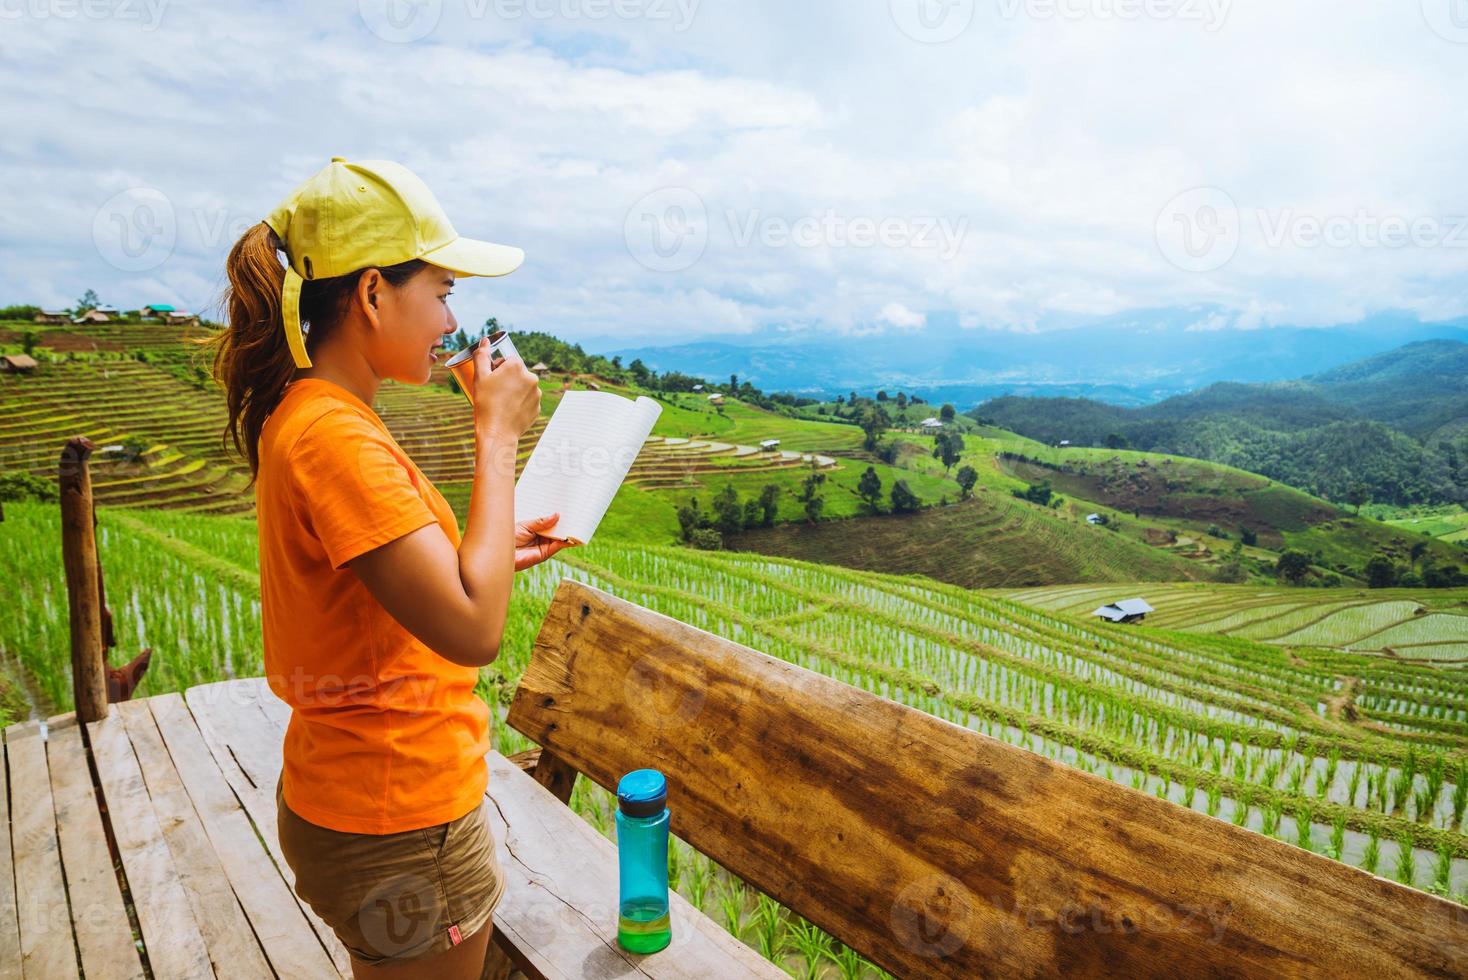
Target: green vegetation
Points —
{"points": [[1386, 429], [1327, 749]]}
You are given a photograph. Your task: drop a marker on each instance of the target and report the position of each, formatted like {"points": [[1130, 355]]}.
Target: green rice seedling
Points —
{"points": [[1406, 860], [1355, 785], [1215, 799], [1241, 813], [1304, 825], [1442, 869], [769, 928], [731, 907], [699, 881], [1371, 857], [675, 863], [1460, 795], [813, 944], [850, 963], [1270, 814], [1337, 845]]}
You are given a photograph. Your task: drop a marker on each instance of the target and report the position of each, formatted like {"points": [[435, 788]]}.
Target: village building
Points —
{"points": [[17, 363], [1125, 611]]}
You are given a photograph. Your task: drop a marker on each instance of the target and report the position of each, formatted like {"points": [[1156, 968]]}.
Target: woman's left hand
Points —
{"points": [[530, 547]]}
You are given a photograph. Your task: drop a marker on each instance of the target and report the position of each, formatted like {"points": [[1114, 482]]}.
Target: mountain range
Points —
{"points": [[1131, 359], [1395, 423]]}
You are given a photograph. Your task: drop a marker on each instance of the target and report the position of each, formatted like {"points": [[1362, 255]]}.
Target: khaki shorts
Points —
{"points": [[395, 897]]}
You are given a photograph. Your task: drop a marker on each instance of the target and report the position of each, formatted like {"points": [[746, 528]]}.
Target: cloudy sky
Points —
{"points": [[686, 168]]}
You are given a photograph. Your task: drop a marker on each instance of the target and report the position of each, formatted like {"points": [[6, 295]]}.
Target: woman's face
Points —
{"points": [[413, 321]]}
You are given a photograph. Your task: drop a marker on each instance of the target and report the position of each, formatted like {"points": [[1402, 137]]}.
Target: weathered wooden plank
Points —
{"points": [[99, 918], [555, 774], [246, 747], [44, 920], [934, 850], [173, 937], [283, 930], [559, 909], [225, 929], [10, 968]]}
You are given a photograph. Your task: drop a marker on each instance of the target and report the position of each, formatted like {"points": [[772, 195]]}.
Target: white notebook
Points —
{"points": [[581, 459]]}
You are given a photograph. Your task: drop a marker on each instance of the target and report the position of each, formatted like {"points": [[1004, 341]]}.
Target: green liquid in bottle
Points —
{"points": [[643, 926]]}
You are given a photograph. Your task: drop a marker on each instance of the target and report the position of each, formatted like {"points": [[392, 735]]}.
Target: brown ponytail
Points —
{"points": [[251, 358]]}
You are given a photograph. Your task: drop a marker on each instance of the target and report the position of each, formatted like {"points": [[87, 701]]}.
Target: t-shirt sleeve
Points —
{"points": [[352, 490]]}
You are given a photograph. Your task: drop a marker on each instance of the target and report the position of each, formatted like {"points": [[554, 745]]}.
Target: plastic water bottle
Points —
{"points": [[643, 925]]}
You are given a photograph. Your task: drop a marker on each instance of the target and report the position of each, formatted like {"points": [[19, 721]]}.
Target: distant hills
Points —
{"points": [[1130, 359], [1396, 422]]}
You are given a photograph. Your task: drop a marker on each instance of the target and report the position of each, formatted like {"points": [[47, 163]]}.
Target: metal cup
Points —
{"points": [[462, 363]]}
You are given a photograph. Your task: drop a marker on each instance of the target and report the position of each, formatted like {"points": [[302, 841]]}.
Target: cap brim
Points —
{"points": [[470, 257]]}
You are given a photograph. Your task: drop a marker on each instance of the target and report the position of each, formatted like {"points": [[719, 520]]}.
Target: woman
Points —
{"points": [[377, 615]]}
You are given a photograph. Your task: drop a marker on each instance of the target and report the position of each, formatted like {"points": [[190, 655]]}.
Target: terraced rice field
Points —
{"points": [[1409, 625], [183, 464], [1361, 757]]}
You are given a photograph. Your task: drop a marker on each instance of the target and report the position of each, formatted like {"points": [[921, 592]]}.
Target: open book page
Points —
{"points": [[581, 459]]}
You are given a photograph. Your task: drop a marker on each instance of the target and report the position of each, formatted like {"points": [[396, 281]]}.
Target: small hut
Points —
{"points": [[51, 316], [1125, 611], [538, 367], [17, 363]]}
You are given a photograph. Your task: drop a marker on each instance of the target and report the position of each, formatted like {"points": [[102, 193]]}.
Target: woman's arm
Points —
{"points": [[457, 602]]}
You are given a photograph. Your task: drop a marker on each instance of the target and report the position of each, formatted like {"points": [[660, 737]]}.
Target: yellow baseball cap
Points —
{"points": [[351, 216]]}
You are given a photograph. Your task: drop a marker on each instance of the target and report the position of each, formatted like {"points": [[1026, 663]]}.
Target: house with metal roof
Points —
{"points": [[1125, 611]]}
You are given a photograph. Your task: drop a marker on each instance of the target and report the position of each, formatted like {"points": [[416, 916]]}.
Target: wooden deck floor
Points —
{"points": [[155, 853]]}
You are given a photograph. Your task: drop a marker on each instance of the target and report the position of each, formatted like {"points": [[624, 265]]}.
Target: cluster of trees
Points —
{"points": [[1382, 572], [1296, 438], [901, 498], [729, 514], [1039, 493]]}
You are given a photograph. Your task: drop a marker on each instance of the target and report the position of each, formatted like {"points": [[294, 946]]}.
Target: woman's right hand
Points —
{"points": [[506, 398]]}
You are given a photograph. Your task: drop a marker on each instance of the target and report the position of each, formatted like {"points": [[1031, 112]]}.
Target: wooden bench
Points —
{"points": [[934, 850]]}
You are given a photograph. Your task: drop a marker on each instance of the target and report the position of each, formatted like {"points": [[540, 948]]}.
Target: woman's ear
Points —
{"points": [[368, 295]]}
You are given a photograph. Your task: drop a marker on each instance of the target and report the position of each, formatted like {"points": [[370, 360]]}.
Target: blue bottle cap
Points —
{"points": [[642, 793]]}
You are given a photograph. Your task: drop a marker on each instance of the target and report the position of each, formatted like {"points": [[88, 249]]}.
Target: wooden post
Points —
{"points": [[79, 553]]}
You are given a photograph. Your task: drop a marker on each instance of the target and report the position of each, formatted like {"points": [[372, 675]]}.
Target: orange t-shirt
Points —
{"points": [[385, 735]]}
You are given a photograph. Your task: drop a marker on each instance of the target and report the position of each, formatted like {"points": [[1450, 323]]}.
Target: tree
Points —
{"points": [[870, 488], [1292, 565], [947, 412], [901, 400], [28, 341], [690, 518], [707, 539], [728, 512], [89, 301], [947, 447], [769, 502], [813, 508], [881, 395], [639, 371], [1381, 572], [1036, 493], [1248, 536], [903, 499], [1358, 494], [1116, 441], [873, 422], [967, 477]]}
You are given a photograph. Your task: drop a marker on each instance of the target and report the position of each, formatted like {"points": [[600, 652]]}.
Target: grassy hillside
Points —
{"points": [[1362, 757], [990, 540], [1393, 423]]}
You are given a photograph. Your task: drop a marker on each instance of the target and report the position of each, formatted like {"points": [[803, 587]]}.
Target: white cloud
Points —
{"points": [[1053, 142], [901, 317]]}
